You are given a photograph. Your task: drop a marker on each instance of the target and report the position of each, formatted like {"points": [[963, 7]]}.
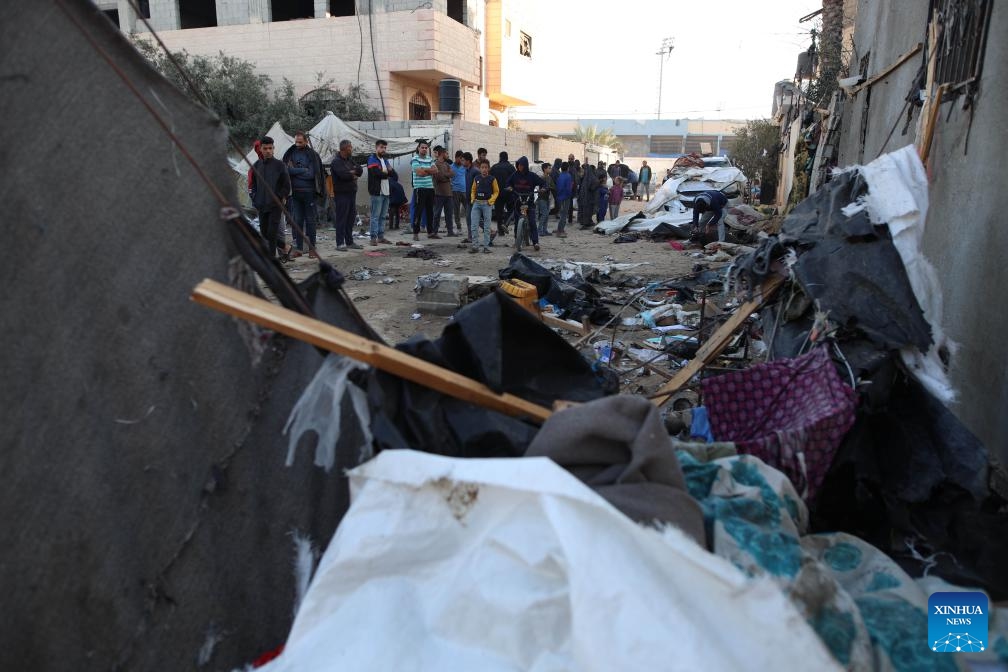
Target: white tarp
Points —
{"points": [[898, 196], [514, 564], [326, 135], [677, 214], [281, 142]]}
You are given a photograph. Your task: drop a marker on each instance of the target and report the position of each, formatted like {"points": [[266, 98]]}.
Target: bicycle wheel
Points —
{"points": [[519, 233]]}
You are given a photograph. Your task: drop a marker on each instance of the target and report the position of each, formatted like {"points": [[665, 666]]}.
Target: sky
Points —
{"points": [[727, 56]]}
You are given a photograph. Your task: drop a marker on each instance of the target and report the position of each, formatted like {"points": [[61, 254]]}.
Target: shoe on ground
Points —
{"points": [[536, 247], [384, 241], [473, 250], [466, 241], [486, 250], [341, 248], [374, 242], [561, 235], [416, 236], [545, 233], [433, 236], [312, 254], [451, 235], [355, 246], [491, 243]]}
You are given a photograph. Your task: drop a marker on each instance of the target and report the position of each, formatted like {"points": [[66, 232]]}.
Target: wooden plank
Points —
{"points": [[716, 343], [239, 304], [569, 325], [887, 71], [929, 127]]}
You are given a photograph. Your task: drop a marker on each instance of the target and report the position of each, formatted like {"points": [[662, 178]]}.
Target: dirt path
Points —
{"points": [[388, 307]]}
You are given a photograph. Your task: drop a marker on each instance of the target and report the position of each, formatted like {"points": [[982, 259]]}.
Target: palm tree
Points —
{"points": [[595, 135]]}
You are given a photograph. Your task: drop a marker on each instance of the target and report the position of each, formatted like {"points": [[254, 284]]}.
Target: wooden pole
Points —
{"points": [[717, 342], [239, 304]]}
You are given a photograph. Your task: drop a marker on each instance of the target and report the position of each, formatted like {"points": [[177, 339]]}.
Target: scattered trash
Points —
{"points": [[422, 253], [415, 316], [386, 281], [441, 293], [370, 253]]}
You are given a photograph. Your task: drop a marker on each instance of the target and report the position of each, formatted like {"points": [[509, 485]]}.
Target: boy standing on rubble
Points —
{"points": [[543, 204], [270, 179], [564, 196], [602, 199], [483, 195]]}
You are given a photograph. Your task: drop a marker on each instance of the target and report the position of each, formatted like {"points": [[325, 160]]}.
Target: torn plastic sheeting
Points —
{"points": [[531, 571], [319, 411], [668, 191], [855, 273], [912, 470], [897, 196]]}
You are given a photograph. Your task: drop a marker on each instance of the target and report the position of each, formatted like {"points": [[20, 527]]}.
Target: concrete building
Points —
{"points": [[965, 236], [396, 50], [653, 138]]}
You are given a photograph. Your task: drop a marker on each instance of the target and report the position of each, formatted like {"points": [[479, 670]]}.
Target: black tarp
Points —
{"points": [[499, 343], [142, 482], [575, 299]]}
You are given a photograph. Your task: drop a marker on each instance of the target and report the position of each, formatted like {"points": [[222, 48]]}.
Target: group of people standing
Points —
{"points": [[292, 187], [469, 193]]}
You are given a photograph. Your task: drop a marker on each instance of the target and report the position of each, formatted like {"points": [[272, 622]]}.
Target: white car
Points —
{"points": [[717, 174]]}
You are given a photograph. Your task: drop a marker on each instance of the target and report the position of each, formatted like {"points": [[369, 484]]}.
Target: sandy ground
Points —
{"points": [[389, 307]]}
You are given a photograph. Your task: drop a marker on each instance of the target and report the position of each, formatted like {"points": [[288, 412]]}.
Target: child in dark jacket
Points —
{"points": [[615, 197], [602, 201], [397, 199]]}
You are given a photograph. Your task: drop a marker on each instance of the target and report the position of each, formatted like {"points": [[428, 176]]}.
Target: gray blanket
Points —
{"points": [[619, 448]]}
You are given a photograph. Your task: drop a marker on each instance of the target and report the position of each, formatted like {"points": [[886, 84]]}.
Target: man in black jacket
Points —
{"points": [[378, 169], [502, 171], [270, 175], [344, 177], [307, 183]]}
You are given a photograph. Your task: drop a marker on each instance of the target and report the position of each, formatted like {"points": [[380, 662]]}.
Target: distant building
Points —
{"points": [[396, 50], [657, 138]]}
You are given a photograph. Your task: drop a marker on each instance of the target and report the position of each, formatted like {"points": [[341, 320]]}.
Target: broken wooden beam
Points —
{"points": [[236, 303], [570, 325], [718, 341], [887, 70]]}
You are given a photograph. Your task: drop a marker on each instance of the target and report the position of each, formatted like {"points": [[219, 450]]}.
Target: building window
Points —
{"points": [[959, 52], [535, 151], [197, 13], [144, 8], [419, 106], [525, 44], [456, 10], [342, 8], [112, 15], [289, 10], [507, 28]]}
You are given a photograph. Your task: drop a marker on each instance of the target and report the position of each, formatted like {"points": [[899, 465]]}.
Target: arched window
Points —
{"points": [[419, 106]]}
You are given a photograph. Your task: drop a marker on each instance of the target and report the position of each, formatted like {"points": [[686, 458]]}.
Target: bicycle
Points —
{"points": [[522, 221]]}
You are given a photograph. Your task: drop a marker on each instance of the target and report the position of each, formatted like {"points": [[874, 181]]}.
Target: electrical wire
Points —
{"points": [[374, 61], [360, 57]]}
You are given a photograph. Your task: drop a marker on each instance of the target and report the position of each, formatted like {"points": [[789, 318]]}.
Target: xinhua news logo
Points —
{"points": [[957, 622]]}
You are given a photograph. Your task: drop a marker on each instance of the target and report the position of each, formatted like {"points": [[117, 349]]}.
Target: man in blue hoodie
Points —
{"points": [[522, 184], [564, 196], [304, 166]]}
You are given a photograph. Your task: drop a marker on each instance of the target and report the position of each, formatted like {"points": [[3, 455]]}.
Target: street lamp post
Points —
{"points": [[663, 52]]}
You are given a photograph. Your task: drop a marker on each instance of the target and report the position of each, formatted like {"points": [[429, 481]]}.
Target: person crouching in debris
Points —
{"points": [[344, 174], [711, 205], [523, 184], [270, 187], [483, 194]]}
